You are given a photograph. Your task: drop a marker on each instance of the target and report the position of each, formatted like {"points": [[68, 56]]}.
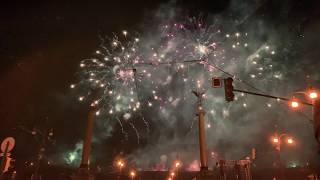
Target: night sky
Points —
{"points": [[42, 43]]}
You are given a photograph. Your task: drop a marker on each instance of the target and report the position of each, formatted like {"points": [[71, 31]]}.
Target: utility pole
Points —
{"points": [[279, 162]]}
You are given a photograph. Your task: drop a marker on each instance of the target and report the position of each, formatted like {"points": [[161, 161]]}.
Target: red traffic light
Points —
{"points": [[228, 89], [216, 82]]}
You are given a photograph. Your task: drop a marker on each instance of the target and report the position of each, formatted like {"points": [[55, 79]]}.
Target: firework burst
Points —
{"points": [[130, 74]]}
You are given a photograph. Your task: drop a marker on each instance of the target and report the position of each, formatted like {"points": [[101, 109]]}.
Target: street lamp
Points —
{"points": [[277, 140], [289, 141], [120, 164], [177, 164], [310, 94], [172, 174], [313, 96], [132, 174], [294, 104]]}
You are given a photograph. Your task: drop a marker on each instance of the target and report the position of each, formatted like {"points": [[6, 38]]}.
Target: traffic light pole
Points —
{"points": [[270, 96]]}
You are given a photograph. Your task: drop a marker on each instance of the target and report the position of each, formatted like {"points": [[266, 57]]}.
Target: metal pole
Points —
{"points": [[88, 139], [270, 96], [316, 119], [202, 139], [280, 164], [37, 164], [40, 154], [278, 148]]}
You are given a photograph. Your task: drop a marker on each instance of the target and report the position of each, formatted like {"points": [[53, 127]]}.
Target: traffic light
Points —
{"points": [[216, 82], [228, 89]]}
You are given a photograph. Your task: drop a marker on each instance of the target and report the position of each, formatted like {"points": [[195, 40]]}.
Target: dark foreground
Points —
{"points": [[261, 174]]}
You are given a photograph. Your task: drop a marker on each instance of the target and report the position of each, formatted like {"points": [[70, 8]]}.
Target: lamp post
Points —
{"points": [[313, 96], [177, 166], [172, 174], [132, 174], [278, 141], [120, 164], [316, 119]]}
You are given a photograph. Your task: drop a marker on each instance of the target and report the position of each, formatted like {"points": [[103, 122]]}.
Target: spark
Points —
{"points": [[202, 49], [125, 33], [136, 131]]}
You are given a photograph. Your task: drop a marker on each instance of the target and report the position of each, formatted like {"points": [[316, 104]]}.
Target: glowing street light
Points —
{"points": [[313, 95], [172, 174], [294, 104], [290, 141], [120, 164], [277, 140], [177, 164], [132, 174]]}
